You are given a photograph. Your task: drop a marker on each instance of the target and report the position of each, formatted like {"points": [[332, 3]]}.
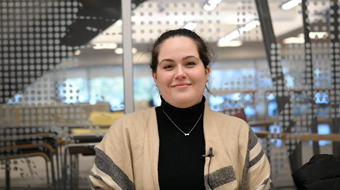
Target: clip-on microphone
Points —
{"points": [[210, 153]]}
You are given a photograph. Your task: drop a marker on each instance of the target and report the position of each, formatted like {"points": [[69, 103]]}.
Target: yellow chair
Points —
{"points": [[103, 118]]}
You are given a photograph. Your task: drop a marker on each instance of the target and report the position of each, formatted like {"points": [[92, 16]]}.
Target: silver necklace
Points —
{"points": [[185, 134]]}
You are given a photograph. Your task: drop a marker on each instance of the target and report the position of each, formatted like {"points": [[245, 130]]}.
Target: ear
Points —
{"points": [[207, 73], [154, 76]]}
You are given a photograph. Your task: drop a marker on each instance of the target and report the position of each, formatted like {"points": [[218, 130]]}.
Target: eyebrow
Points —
{"points": [[171, 60]]}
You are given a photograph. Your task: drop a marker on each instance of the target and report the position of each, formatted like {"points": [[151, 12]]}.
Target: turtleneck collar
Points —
{"points": [[183, 115]]}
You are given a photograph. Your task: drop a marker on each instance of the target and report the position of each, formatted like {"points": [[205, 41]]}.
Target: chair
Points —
{"points": [[104, 118], [74, 145], [239, 112], [25, 150], [29, 141]]}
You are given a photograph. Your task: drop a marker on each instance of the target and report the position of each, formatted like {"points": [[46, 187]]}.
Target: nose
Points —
{"points": [[180, 73]]}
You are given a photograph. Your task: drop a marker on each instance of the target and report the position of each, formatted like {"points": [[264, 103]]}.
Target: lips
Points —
{"points": [[181, 85]]}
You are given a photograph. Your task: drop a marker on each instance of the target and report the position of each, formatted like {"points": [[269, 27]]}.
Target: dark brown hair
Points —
{"points": [[202, 47]]}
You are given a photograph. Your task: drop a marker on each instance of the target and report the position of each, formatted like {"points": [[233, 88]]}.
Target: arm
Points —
{"points": [[112, 167], [97, 182], [256, 175]]}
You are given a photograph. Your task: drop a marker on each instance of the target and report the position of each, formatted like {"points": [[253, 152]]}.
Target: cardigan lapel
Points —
{"points": [[219, 172], [151, 153]]}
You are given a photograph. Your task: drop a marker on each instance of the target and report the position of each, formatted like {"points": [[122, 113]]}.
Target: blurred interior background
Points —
{"points": [[70, 68]]}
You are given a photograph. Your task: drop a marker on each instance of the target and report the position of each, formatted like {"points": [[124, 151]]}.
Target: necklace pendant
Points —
{"points": [[185, 134]]}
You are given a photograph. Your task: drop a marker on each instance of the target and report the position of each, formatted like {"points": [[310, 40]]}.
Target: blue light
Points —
{"points": [[276, 129], [323, 129], [247, 97], [216, 100], [249, 111], [271, 96], [321, 98]]}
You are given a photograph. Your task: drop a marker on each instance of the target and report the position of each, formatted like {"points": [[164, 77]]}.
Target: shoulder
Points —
{"points": [[137, 116], [228, 127], [226, 119], [134, 121]]}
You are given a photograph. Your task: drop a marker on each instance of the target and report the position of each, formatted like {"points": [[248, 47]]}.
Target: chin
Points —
{"points": [[186, 102]]}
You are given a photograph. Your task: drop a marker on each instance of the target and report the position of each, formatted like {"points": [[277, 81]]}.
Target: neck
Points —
{"points": [[183, 115]]}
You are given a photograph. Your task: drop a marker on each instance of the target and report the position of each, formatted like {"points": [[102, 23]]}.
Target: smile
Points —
{"points": [[181, 85]]}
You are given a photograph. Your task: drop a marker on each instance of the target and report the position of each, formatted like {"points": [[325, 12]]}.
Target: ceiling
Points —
{"points": [[37, 35], [151, 18]]}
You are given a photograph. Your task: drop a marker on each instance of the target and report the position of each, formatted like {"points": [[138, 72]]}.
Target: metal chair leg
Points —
{"points": [[53, 171], [8, 178], [47, 177], [58, 170], [76, 171], [71, 171], [64, 166]]}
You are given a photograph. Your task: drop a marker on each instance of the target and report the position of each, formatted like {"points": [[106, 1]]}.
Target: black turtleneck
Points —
{"points": [[180, 164]]}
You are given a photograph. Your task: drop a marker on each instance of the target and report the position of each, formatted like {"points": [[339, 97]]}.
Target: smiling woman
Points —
{"points": [[180, 75], [181, 144]]}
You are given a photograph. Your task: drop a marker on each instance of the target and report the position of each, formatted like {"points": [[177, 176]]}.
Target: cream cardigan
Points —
{"points": [[127, 157]]}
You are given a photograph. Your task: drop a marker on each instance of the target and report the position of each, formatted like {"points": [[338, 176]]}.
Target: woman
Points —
{"points": [[181, 144]]}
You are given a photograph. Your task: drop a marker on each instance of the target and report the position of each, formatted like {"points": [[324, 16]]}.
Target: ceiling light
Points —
{"points": [[251, 25], [316, 35], [119, 22], [190, 25], [294, 40], [121, 51], [234, 43], [301, 39], [226, 39], [104, 46], [238, 32], [211, 4], [290, 4], [77, 52]]}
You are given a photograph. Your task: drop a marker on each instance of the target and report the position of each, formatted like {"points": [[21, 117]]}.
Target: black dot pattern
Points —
{"points": [[40, 41]]}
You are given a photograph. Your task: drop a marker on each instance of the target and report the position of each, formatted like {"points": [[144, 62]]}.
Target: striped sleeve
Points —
{"points": [[97, 182], [105, 174], [112, 168], [256, 173]]}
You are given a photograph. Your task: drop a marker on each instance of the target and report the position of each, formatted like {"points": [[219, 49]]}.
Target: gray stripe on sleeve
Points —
{"points": [[271, 186], [95, 176], [265, 181], [219, 177], [256, 159], [252, 140], [106, 165], [95, 188]]}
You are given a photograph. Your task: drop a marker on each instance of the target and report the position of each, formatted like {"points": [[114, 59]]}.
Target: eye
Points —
{"points": [[167, 67], [191, 63]]}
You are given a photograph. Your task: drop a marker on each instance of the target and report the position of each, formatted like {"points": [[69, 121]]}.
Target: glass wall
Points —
{"points": [[62, 79], [58, 78]]}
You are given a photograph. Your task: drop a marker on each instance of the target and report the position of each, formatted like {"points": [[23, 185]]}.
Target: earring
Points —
{"points": [[208, 79]]}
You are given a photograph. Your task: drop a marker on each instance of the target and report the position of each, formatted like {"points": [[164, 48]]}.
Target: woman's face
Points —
{"points": [[180, 74]]}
